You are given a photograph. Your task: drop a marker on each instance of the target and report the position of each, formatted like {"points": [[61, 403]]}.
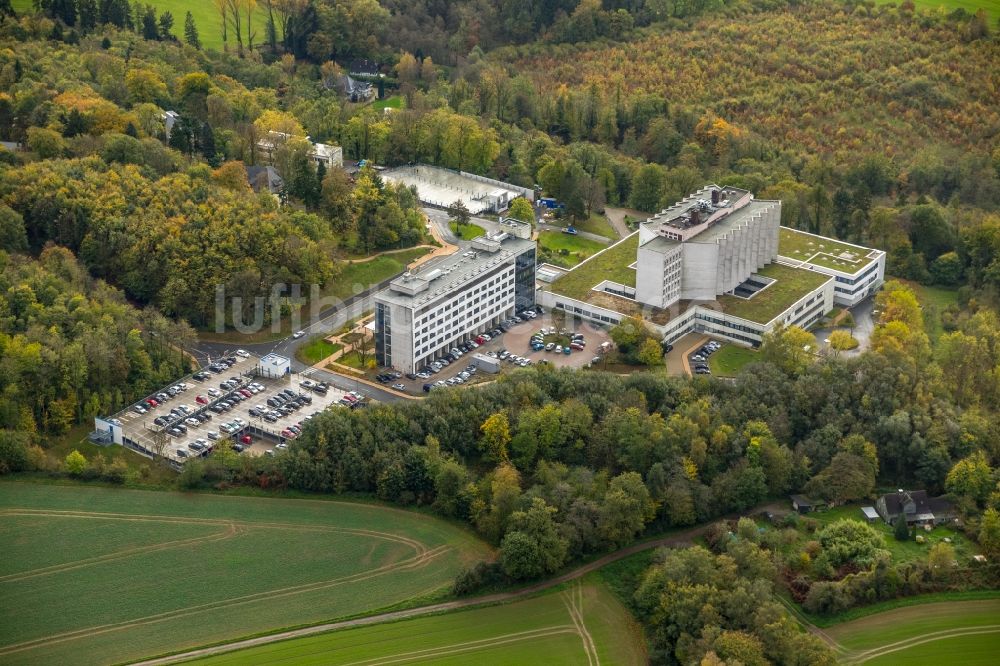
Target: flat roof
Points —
{"points": [[449, 273], [790, 284], [825, 252], [611, 264]]}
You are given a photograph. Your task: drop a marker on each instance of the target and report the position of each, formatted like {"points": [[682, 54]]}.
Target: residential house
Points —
{"points": [[363, 67], [265, 178], [915, 506], [354, 90], [329, 155], [802, 504]]}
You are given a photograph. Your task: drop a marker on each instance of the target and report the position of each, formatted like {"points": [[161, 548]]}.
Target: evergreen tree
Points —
{"points": [[191, 31], [150, 28], [6, 9], [901, 530], [88, 14], [206, 144], [166, 25], [182, 136], [131, 131], [74, 124]]}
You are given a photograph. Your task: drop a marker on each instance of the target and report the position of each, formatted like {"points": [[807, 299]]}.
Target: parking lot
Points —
{"points": [[259, 414], [698, 359], [516, 340]]}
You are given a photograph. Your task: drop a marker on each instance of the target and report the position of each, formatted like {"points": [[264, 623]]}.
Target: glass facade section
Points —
{"points": [[383, 335], [524, 280]]}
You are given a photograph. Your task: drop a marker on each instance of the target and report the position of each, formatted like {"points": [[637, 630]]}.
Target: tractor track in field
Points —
{"points": [[467, 646], [682, 538], [573, 600], [854, 657], [232, 529], [421, 557], [414, 562]]}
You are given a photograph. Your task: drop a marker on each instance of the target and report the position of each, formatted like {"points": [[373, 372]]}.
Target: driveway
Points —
{"points": [[582, 234], [616, 216], [677, 358], [864, 325]]}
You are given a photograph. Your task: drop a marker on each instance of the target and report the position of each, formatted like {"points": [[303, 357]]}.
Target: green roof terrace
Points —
{"points": [[790, 284], [824, 252], [611, 264]]}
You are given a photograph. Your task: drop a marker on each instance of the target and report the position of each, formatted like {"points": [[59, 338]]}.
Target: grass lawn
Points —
{"points": [[206, 18], [158, 572], [467, 231], [598, 224], [360, 275], [76, 439], [825, 252], [935, 300], [951, 632], [553, 629], [903, 551], [611, 264], [569, 250], [791, 285], [730, 359], [316, 350], [394, 102], [353, 360], [992, 7]]}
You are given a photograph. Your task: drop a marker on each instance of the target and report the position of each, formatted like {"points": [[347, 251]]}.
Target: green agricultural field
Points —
{"points": [[206, 18], [951, 632], [730, 359], [467, 231], [94, 575], [360, 275], [583, 623]]}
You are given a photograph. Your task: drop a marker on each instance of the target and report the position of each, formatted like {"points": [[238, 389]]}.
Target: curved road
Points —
{"points": [[680, 538]]}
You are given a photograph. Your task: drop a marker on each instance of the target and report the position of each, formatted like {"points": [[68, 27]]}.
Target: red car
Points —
{"points": [[151, 402], [246, 439], [246, 393], [288, 434], [201, 400]]}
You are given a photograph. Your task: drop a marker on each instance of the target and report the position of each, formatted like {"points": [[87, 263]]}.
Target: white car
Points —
{"points": [[298, 334], [243, 353]]}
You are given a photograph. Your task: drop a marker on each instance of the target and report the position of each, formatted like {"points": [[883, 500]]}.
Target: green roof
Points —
{"points": [[824, 252], [611, 264], [790, 285]]}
